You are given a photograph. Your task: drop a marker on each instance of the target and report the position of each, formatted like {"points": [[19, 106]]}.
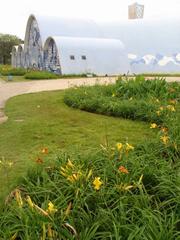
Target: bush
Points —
{"points": [[109, 194], [134, 99], [41, 75], [6, 70]]}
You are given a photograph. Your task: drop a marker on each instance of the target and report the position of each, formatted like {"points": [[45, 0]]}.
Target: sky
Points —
{"points": [[14, 13]]}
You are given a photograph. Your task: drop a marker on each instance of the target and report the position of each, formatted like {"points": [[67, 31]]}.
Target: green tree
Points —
{"points": [[7, 41]]}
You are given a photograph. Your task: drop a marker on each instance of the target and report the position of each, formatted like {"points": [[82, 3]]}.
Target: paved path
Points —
{"points": [[8, 90]]}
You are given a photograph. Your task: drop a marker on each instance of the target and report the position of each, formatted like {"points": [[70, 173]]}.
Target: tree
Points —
{"points": [[7, 41]]}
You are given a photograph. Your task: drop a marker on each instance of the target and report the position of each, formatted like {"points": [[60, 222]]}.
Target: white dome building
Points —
{"points": [[67, 55], [74, 46]]}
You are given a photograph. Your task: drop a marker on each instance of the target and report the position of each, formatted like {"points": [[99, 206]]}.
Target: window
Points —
{"points": [[83, 57], [72, 57]]}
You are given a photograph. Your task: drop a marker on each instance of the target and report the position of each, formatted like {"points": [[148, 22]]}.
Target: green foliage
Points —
{"points": [[6, 43], [6, 70], [117, 191], [41, 75], [140, 204], [133, 99]]}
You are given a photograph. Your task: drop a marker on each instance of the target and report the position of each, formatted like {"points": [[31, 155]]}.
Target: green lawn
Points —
{"points": [[43, 120]]}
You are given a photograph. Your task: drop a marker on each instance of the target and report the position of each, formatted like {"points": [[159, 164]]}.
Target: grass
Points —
{"points": [[109, 182], [43, 120]]}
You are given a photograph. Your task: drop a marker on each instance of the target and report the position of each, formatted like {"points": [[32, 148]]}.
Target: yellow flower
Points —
{"points": [[89, 174], [125, 187], [119, 146], [157, 100], [165, 139], [153, 125], [164, 129], [129, 147], [68, 210], [97, 183], [69, 164], [51, 209], [10, 164], [113, 95], [18, 198], [175, 146], [171, 108], [130, 99], [161, 108], [29, 201], [14, 237], [45, 150], [74, 177], [158, 113]]}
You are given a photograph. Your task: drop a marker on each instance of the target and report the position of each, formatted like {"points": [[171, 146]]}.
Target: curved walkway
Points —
{"points": [[8, 90]]}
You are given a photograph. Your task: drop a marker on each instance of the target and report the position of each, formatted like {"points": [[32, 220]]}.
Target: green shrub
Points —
{"points": [[6, 70], [139, 199], [41, 75]]}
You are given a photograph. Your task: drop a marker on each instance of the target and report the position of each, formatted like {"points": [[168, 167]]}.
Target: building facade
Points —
{"points": [[75, 46]]}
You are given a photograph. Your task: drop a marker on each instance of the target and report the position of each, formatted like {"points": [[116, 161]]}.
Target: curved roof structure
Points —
{"points": [[150, 45], [54, 26], [79, 55]]}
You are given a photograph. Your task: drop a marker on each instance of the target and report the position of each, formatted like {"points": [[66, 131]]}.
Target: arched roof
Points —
{"points": [[86, 43], [103, 55], [55, 26]]}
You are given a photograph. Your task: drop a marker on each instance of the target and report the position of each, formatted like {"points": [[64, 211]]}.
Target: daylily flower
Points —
{"points": [[69, 164], [45, 150], [125, 187], [18, 198], [153, 125], [158, 113], [164, 129], [51, 209], [39, 160], [29, 201], [165, 139], [74, 177], [129, 147], [97, 183], [119, 146], [171, 108], [122, 169]]}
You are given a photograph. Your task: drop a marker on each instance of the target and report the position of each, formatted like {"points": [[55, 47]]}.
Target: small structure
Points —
{"points": [[136, 11]]}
